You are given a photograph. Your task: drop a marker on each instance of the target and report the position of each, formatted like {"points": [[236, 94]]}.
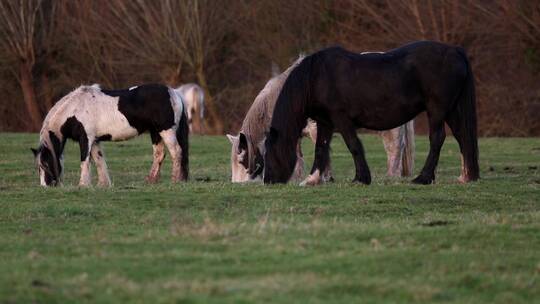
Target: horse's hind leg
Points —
{"points": [[299, 167], [436, 140], [322, 155], [453, 122], [170, 140], [99, 159], [158, 149]]}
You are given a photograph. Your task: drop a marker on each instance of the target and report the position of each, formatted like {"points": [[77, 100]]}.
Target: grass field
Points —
{"points": [[212, 241]]}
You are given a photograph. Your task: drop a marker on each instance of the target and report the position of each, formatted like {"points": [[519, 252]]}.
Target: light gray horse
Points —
{"points": [[193, 96]]}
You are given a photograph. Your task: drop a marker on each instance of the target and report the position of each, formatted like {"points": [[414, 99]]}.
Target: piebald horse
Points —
{"points": [[90, 115], [193, 96], [247, 149], [343, 91]]}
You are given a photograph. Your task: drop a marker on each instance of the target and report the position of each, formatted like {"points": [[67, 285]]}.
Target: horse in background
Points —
{"points": [[193, 96], [343, 91], [247, 148], [90, 115]]}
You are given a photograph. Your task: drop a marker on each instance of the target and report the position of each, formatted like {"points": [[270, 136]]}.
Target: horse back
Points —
{"points": [[146, 107], [383, 90]]}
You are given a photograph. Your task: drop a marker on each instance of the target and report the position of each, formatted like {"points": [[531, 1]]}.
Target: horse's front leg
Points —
{"points": [[99, 159], [85, 144], [171, 141], [348, 131], [322, 156]]}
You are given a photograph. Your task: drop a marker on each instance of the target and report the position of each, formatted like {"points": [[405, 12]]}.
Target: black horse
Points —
{"points": [[344, 91]]}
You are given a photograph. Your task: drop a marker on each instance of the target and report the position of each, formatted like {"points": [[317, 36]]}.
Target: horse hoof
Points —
{"points": [[422, 180], [312, 179], [362, 178], [361, 181], [151, 179], [307, 182]]}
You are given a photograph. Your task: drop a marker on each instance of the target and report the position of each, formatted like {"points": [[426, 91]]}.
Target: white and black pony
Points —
{"points": [[344, 91], [90, 115], [193, 96]]}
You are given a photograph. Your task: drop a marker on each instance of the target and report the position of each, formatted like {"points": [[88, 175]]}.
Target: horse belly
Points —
{"points": [[117, 126], [387, 113]]}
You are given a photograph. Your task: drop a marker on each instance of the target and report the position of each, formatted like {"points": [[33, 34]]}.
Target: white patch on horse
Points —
{"points": [[366, 53], [133, 88], [96, 111]]}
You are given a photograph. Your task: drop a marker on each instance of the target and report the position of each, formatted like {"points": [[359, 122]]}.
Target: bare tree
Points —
{"points": [[158, 40], [26, 36]]}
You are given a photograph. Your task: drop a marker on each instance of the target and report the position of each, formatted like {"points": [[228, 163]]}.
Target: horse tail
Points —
{"points": [[466, 114], [182, 136], [288, 121], [198, 93], [407, 158]]}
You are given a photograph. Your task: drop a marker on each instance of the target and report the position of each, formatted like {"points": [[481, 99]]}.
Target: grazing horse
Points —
{"points": [[90, 115], [193, 96], [344, 91], [247, 162]]}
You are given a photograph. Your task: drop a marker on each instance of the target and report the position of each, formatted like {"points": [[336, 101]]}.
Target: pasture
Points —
{"points": [[212, 241]]}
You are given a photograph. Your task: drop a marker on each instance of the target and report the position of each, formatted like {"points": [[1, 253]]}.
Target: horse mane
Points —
{"points": [[259, 116], [288, 120]]}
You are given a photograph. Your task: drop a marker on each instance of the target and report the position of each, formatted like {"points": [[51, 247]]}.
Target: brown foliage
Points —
{"points": [[49, 47]]}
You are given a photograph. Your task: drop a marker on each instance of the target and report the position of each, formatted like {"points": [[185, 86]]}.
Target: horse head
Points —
{"points": [[49, 168], [247, 162]]}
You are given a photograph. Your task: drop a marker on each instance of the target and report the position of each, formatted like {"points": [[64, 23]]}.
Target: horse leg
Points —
{"points": [[299, 167], [454, 123], [437, 135], [99, 160], [169, 137], [158, 149], [394, 150], [85, 145], [322, 155], [357, 150]]}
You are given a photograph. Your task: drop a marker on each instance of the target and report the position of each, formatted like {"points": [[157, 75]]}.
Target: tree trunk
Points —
{"points": [[47, 94], [214, 121], [30, 100]]}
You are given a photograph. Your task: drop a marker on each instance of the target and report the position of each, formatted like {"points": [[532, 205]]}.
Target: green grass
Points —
{"points": [[212, 241]]}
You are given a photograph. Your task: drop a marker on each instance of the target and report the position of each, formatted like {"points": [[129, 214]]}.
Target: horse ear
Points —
{"points": [[232, 138], [34, 151], [243, 144]]}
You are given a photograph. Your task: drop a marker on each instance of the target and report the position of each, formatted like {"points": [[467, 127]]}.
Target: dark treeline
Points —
{"points": [[230, 48]]}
